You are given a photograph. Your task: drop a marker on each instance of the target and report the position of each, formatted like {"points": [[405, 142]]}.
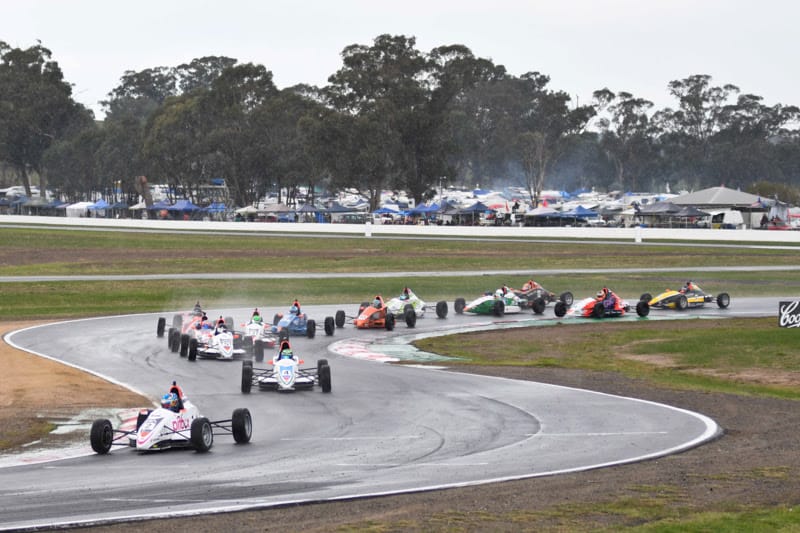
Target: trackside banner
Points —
{"points": [[789, 314]]}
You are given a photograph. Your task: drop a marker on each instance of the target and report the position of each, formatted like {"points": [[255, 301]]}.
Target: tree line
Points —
{"points": [[392, 117]]}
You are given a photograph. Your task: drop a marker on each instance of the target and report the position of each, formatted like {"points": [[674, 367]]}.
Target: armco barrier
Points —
{"points": [[633, 234]]}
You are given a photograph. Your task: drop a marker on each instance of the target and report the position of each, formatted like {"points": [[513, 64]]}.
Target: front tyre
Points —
{"points": [[389, 322], [499, 308], [242, 425], [311, 328], [325, 378], [101, 436], [339, 320], [258, 350], [459, 305], [201, 435], [560, 309], [192, 350], [162, 323], [330, 326], [723, 300], [411, 318], [682, 303], [567, 298], [441, 309], [642, 308], [184, 348], [247, 376], [538, 306]]}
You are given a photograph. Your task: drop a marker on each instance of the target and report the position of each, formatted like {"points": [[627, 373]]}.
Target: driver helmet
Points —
{"points": [[169, 400], [376, 302], [257, 318], [599, 294], [294, 310], [287, 353], [498, 293]]}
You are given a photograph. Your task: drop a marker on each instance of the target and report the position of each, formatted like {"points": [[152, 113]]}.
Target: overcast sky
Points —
{"points": [[583, 45]]}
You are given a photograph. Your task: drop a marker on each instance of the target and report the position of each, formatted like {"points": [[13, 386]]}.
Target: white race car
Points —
{"points": [[286, 374], [177, 426], [408, 302], [256, 337], [218, 345]]}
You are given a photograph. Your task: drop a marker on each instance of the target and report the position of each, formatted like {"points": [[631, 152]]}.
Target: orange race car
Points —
{"points": [[373, 314]]}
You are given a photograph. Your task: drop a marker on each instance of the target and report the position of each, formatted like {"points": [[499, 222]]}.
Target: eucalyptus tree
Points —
{"points": [[36, 109], [627, 134]]}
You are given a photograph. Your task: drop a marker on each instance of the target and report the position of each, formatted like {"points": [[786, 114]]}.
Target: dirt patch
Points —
{"points": [[755, 463]]}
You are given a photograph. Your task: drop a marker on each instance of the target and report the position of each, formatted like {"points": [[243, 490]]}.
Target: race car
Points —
{"points": [[498, 304], [176, 424], [375, 315], [256, 336], [605, 304], [690, 296], [181, 324], [408, 300], [217, 345], [296, 322], [286, 374], [535, 297]]}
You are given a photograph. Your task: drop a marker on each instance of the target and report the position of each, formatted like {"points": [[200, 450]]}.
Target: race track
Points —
{"points": [[383, 429]]}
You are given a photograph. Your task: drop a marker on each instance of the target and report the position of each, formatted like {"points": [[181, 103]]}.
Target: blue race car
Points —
{"points": [[297, 323]]}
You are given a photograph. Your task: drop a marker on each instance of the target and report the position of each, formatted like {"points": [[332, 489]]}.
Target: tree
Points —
{"points": [[37, 109]]}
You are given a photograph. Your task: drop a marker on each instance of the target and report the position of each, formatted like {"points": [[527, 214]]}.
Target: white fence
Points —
{"points": [[636, 234]]}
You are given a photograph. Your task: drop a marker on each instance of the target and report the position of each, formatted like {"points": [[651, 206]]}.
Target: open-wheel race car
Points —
{"points": [[297, 323], [409, 301], [181, 325], [176, 424], [605, 304], [498, 303], [690, 296], [286, 373], [257, 336], [375, 314], [535, 297], [219, 343]]}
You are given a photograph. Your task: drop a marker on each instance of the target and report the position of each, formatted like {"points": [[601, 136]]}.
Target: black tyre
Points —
{"points": [[499, 308], [339, 320], [363, 306], [538, 306], [311, 329], [247, 376], [560, 309], [184, 348], [242, 425], [101, 436], [723, 300], [325, 378], [407, 307], [389, 322], [258, 350], [330, 326], [141, 418], [176, 341], [410, 317], [162, 324], [441, 309], [276, 319], [201, 435], [230, 324], [459, 305], [682, 303], [567, 298], [642, 308], [646, 297], [177, 321], [321, 363], [192, 351], [599, 310], [170, 333], [283, 335]]}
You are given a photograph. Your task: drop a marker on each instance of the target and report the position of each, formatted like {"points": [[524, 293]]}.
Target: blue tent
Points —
{"points": [[99, 204], [216, 207], [160, 205], [183, 205], [385, 211], [579, 212]]}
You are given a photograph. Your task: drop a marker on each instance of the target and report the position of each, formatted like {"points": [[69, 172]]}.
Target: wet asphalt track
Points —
{"points": [[384, 428]]}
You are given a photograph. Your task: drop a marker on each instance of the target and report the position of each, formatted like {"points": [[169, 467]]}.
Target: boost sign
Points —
{"points": [[789, 314]]}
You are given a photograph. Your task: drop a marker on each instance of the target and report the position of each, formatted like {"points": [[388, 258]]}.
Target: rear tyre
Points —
{"points": [[538, 306], [389, 322], [229, 323], [646, 297], [276, 319], [441, 309], [201, 435], [176, 341], [560, 309], [599, 310], [283, 335], [325, 378], [177, 321], [192, 351], [723, 300], [247, 376], [339, 320], [141, 418], [566, 297], [101, 436], [459, 305], [170, 333], [330, 326], [242, 425], [162, 323], [642, 308], [311, 328], [258, 351], [184, 348], [499, 308]]}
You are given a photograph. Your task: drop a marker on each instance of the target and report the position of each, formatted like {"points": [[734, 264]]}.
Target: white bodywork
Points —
{"points": [[165, 428], [286, 376], [220, 346]]}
